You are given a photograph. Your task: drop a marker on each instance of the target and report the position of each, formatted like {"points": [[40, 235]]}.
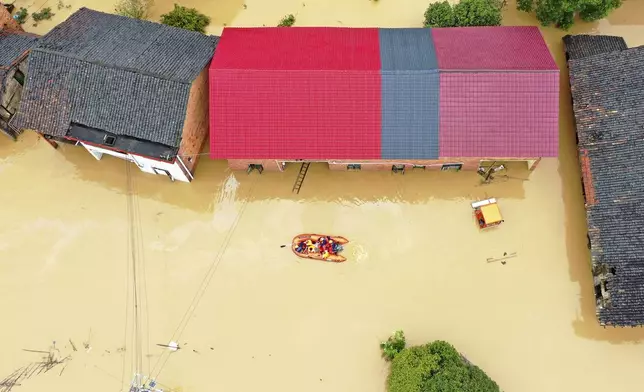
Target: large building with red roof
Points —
{"points": [[379, 98]]}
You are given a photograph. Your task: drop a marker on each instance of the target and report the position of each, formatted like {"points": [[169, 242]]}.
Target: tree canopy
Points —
{"points": [[435, 367], [562, 13], [465, 13], [186, 18]]}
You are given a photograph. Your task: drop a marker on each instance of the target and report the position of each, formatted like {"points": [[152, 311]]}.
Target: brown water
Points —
{"points": [[268, 321]]}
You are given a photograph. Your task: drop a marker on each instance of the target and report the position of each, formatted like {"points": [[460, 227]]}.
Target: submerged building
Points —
{"points": [[607, 86], [14, 49], [383, 99], [124, 87]]}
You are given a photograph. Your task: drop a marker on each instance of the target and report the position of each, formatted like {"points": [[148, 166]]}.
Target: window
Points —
{"points": [[354, 166], [19, 77], [253, 166], [109, 140], [398, 169], [452, 167]]}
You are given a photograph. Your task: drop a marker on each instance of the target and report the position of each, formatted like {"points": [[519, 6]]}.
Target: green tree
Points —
{"points": [[186, 18], [436, 367], [392, 346], [287, 21], [561, 13], [478, 13], [525, 5], [465, 13], [137, 9], [439, 14]]}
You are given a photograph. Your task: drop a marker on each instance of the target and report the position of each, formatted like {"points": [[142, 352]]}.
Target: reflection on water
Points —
{"points": [[270, 321]]}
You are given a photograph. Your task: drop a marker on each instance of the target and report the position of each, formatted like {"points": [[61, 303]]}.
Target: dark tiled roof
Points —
{"points": [[121, 75], [13, 46], [608, 95], [583, 45]]}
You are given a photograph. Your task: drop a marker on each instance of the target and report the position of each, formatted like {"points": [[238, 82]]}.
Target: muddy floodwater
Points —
{"points": [[267, 321]]}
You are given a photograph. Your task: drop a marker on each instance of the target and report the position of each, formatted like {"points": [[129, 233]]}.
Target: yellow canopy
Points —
{"points": [[491, 213]]}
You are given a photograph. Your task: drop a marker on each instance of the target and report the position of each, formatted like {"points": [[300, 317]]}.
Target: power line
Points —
{"points": [[202, 288]]}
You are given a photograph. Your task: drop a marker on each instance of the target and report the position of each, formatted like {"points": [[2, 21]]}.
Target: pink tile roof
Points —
{"points": [[492, 48], [499, 115], [298, 48]]}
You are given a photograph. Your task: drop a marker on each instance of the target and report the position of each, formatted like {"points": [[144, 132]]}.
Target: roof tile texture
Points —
{"points": [[608, 93], [492, 48], [116, 74], [499, 114]]}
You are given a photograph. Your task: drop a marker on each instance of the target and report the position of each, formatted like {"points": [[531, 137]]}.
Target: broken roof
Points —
{"points": [[120, 75], [607, 85], [13, 48]]}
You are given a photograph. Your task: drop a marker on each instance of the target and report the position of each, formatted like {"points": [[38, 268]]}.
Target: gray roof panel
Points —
{"points": [[410, 114], [410, 49], [126, 43]]}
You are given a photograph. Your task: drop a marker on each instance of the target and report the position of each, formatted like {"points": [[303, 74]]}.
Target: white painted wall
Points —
{"points": [[145, 164]]}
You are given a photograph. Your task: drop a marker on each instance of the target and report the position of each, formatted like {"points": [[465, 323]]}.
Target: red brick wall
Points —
{"points": [[242, 164], [382, 165], [195, 128], [7, 22]]}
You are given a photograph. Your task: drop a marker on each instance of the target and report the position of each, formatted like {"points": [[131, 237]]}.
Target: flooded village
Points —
{"points": [[214, 271]]}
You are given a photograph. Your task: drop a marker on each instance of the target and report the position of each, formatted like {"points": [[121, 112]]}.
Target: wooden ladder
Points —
{"points": [[300, 177]]}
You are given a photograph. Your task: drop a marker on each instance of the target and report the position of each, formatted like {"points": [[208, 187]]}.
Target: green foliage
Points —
{"points": [[62, 5], [43, 14], [186, 18], [436, 367], [392, 346], [137, 9], [22, 15], [439, 14], [478, 13], [525, 5], [561, 13], [287, 21], [465, 13]]}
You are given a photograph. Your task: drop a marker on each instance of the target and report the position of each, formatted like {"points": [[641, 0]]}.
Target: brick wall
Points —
{"points": [[242, 164], [7, 22], [381, 165], [195, 128]]}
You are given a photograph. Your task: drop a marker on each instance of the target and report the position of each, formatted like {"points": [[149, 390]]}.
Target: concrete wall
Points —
{"points": [[145, 164], [382, 165], [7, 22], [195, 129]]}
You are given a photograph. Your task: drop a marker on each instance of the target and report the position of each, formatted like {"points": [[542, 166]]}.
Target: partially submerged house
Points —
{"points": [[124, 87], [7, 22], [383, 99], [607, 86], [14, 49]]}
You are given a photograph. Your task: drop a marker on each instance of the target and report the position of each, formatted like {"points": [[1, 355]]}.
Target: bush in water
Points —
{"points": [[561, 13], [186, 18], [465, 13], [436, 367]]}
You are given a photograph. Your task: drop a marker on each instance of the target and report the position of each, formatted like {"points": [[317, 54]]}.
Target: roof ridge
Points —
{"points": [[104, 65]]}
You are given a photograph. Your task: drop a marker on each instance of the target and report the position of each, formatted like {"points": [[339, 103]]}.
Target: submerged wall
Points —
{"points": [[381, 165]]}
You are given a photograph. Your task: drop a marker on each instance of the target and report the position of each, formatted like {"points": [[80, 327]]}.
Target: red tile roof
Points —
{"points": [[492, 48], [296, 93], [499, 115], [318, 48]]}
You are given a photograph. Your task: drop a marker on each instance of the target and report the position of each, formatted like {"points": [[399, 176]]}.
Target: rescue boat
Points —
{"points": [[335, 257]]}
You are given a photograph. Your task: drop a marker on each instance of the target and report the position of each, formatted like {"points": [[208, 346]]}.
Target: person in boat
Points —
{"points": [[311, 246], [300, 247]]}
